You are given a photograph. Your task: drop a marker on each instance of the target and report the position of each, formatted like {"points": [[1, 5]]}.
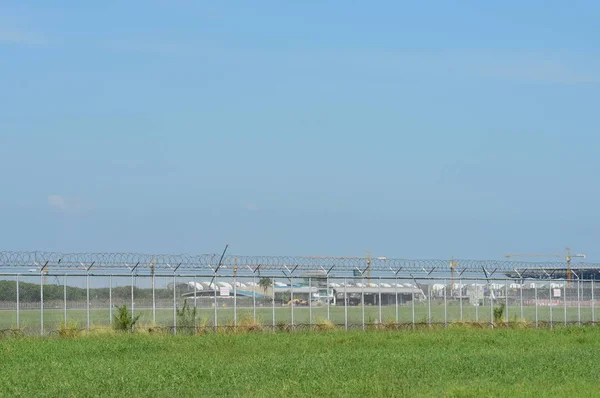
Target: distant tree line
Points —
{"points": [[30, 292]]}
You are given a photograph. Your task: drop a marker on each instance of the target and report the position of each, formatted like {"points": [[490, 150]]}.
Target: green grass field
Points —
{"points": [[30, 319], [433, 362]]}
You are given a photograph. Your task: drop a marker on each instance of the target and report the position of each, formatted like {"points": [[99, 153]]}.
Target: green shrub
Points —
{"points": [[186, 319], [498, 312], [123, 320]]}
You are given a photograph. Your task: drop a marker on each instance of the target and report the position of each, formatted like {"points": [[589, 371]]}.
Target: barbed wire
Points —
{"points": [[209, 263]]}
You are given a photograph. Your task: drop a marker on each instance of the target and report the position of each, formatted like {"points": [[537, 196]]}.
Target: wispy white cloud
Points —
{"points": [[65, 204], [57, 202]]}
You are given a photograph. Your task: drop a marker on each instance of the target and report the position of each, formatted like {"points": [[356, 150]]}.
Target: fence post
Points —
{"points": [[578, 302], [273, 300], [413, 309], [292, 299], [195, 305], [521, 299], [328, 298], [345, 305], [18, 305], [215, 302], [42, 303], [362, 292], [550, 303], [476, 286], [536, 304], [65, 299], [154, 296], [593, 303], [310, 302], [445, 305], [235, 282], [253, 296], [110, 305], [460, 300], [506, 300], [132, 303], [174, 304], [87, 300], [379, 300], [429, 302], [491, 297], [565, 300], [396, 294]]}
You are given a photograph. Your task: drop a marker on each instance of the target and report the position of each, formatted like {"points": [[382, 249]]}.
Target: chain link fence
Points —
{"points": [[182, 301]]}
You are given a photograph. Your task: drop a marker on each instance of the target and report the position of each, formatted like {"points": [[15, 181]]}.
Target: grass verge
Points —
{"points": [[453, 362]]}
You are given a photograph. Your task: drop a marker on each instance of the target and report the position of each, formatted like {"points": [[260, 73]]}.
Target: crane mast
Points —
{"points": [[568, 257]]}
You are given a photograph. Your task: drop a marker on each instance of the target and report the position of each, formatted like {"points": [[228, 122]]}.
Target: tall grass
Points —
{"points": [[430, 362]]}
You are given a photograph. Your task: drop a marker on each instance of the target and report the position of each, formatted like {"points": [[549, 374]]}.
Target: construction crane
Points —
{"points": [[568, 256], [368, 266], [453, 265], [369, 259]]}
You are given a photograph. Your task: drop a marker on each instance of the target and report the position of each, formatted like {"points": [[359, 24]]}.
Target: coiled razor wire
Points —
{"points": [[287, 265]]}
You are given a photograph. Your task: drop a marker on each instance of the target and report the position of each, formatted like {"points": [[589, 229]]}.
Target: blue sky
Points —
{"points": [[413, 129]]}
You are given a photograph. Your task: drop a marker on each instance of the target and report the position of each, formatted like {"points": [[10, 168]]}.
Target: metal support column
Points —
{"points": [[429, 303], [195, 305], [273, 300], [132, 302], [565, 301], [477, 304], [253, 296], [491, 297], [216, 325], [18, 305], [292, 300], [154, 296], [110, 305], [174, 304], [235, 283], [42, 303], [87, 292], [310, 302], [593, 303], [396, 294], [345, 305], [536, 304], [445, 304], [550, 303], [506, 301], [362, 292], [413, 309], [521, 299], [460, 299], [65, 300], [578, 302], [87, 300], [379, 300], [328, 299]]}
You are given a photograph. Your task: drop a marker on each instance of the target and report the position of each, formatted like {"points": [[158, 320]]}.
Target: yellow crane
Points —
{"points": [[453, 265], [369, 259], [368, 265], [568, 256]]}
